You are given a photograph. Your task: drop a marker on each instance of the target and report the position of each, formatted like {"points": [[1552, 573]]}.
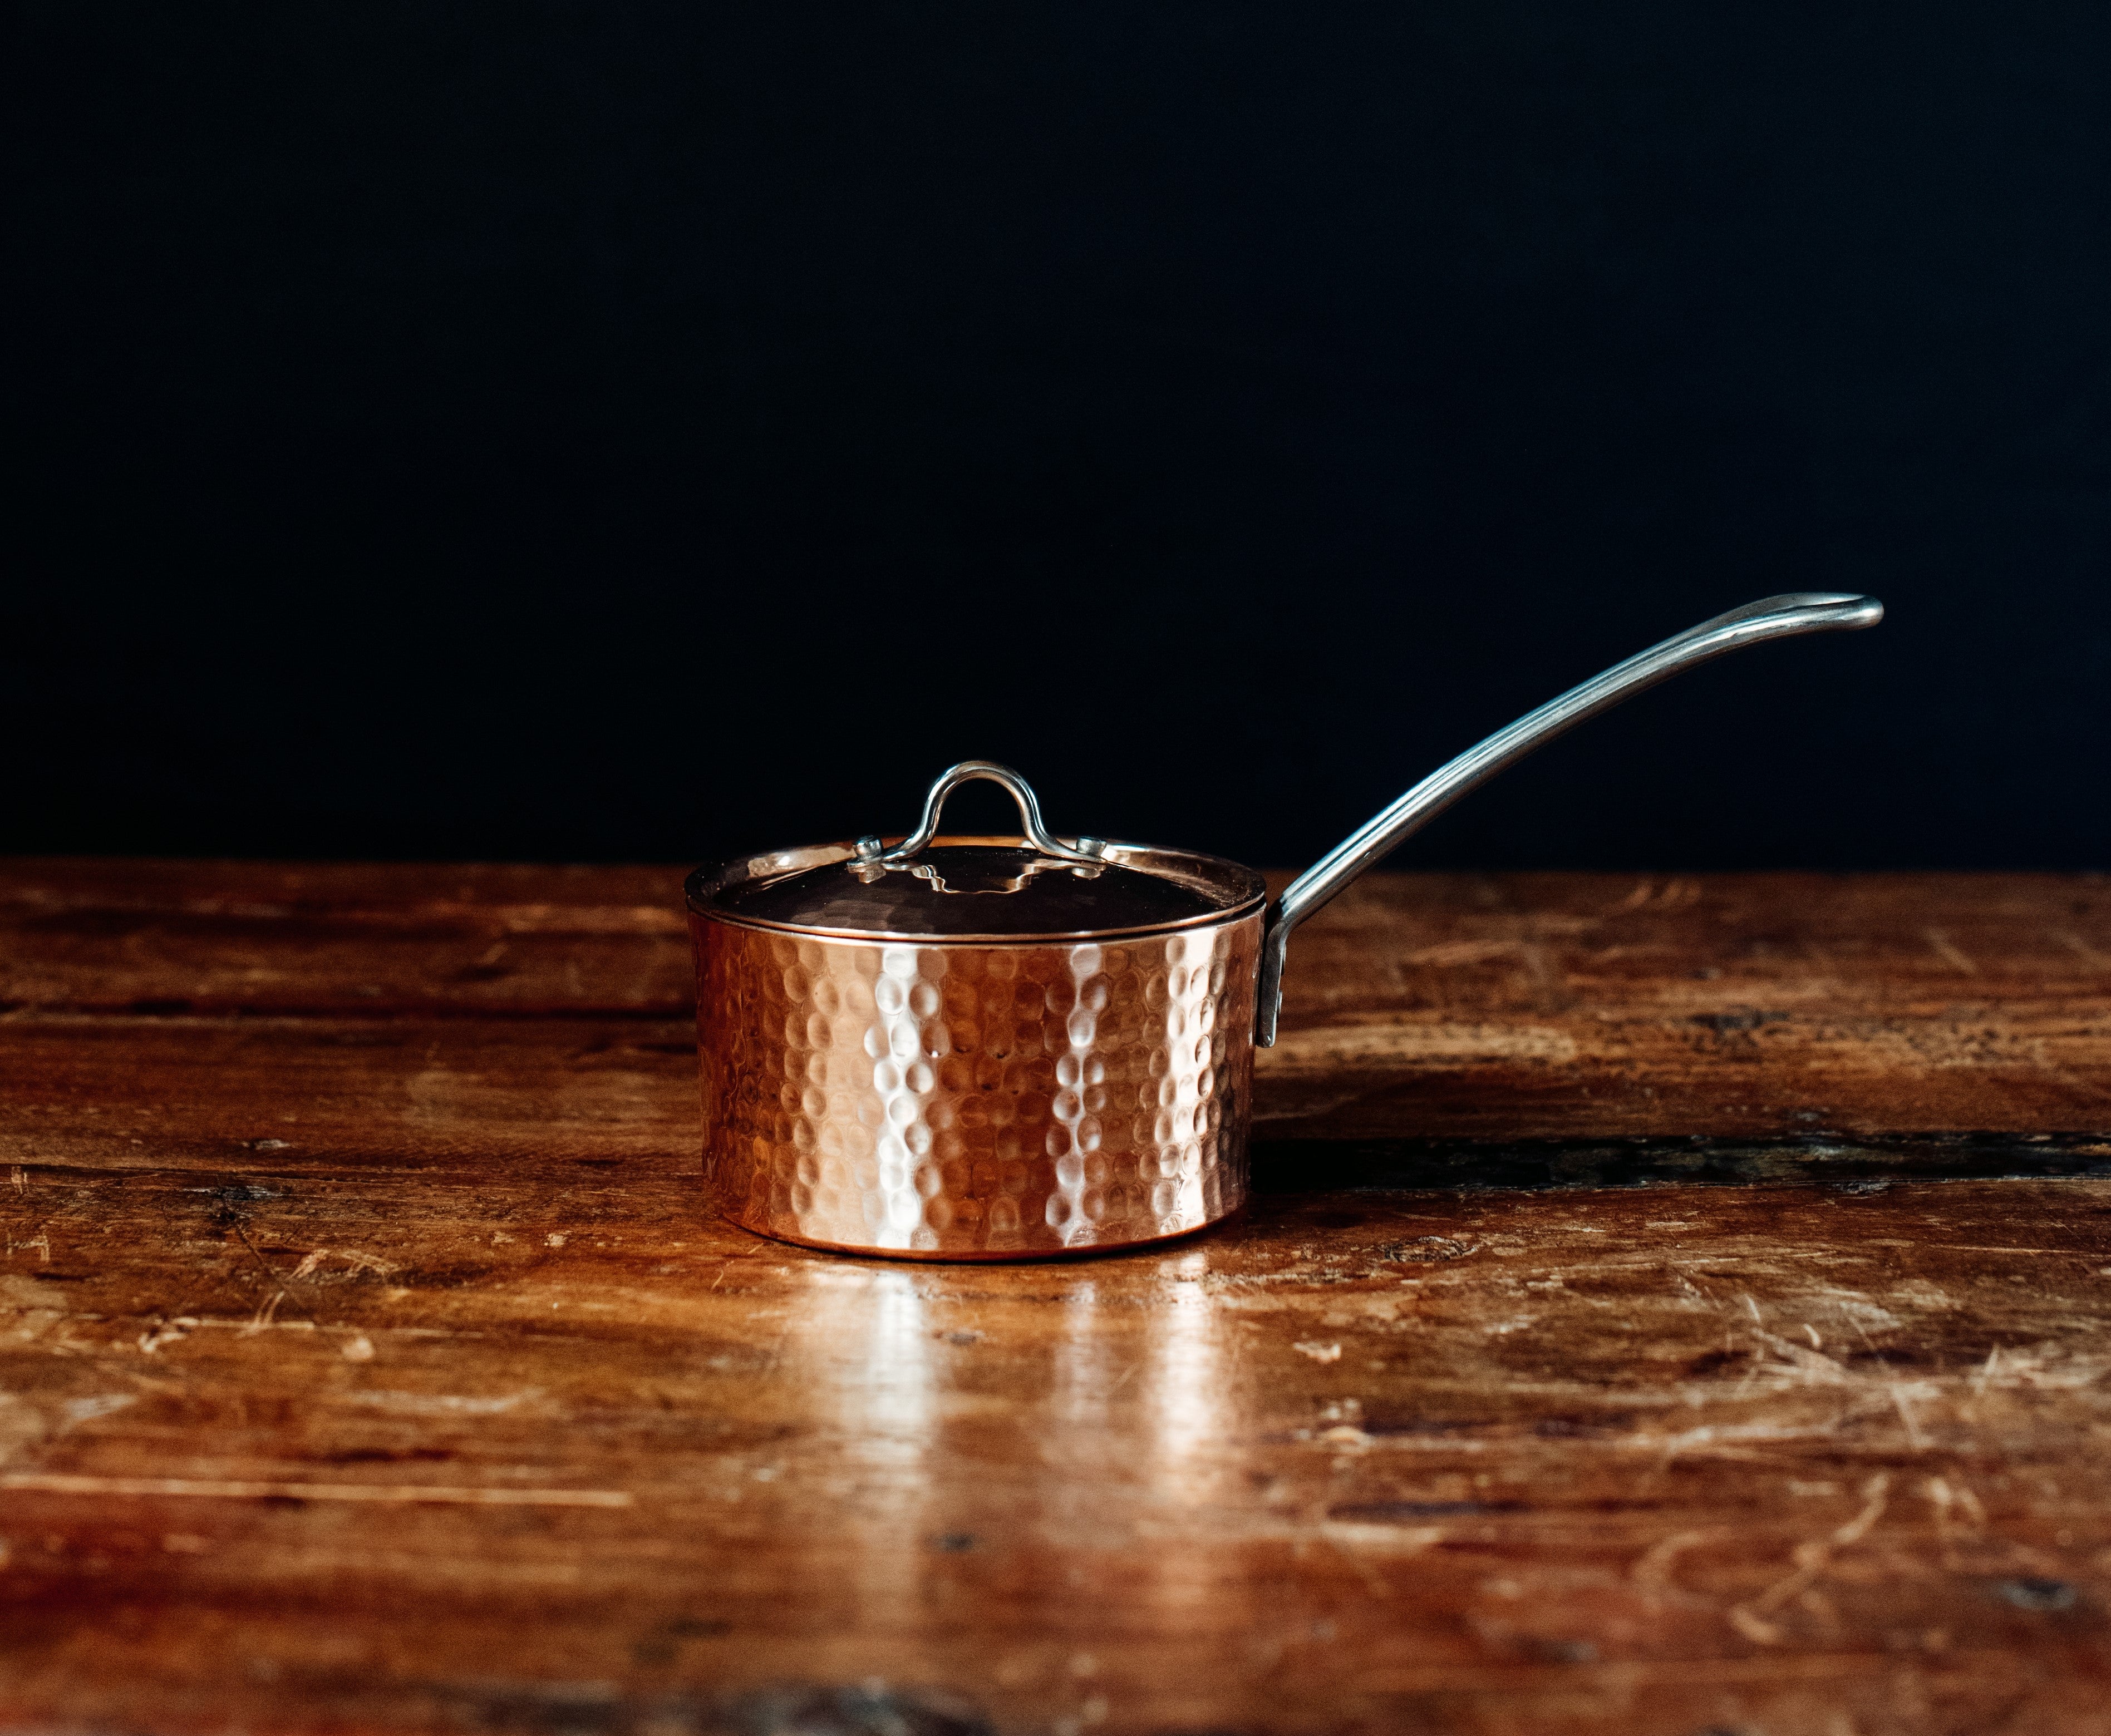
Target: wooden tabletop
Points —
{"points": [[1671, 1305]]}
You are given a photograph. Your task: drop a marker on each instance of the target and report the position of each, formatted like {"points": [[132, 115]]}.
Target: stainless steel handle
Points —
{"points": [[871, 849], [1770, 617]]}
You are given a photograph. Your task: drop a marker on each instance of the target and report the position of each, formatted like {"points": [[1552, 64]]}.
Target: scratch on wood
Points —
{"points": [[1988, 1370], [1811, 1558], [1651, 1572], [726, 1266], [1728, 1441], [242, 1231], [1676, 895], [265, 1315], [2082, 949], [1373, 1580], [443, 1404], [1914, 1439], [164, 1332], [311, 1263], [1943, 1498], [1944, 948]]}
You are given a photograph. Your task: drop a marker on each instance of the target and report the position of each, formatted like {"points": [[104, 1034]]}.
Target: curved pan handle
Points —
{"points": [[1770, 617]]}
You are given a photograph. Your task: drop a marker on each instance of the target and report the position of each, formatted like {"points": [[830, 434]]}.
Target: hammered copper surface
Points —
{"points": [[976, 1102]]}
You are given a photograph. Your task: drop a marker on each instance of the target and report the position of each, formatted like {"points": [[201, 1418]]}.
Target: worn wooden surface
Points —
{"points": [[1672, 1306]]}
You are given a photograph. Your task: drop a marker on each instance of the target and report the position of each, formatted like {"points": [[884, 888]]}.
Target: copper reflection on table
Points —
{"points": [[902, 1358]]}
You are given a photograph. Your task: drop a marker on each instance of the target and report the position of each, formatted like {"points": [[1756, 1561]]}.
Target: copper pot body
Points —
{"points": [[976, 1101]]}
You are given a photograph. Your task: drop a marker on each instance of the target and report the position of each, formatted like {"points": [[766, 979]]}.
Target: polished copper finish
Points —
{"points": [[976, 1101]]}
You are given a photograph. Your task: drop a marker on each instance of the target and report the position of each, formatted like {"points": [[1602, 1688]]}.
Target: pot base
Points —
{"points": [[1096, 1251]]}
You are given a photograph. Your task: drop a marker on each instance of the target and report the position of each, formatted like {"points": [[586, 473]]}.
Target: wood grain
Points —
{"points": [[1475, 1007], [1596, 1359]]}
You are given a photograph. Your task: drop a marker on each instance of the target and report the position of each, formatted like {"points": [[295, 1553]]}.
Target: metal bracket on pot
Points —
{"points": [[1086, 852], [1770, 617]]}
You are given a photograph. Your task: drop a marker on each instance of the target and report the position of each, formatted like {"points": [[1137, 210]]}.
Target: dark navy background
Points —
{"points": [[646, 430]]}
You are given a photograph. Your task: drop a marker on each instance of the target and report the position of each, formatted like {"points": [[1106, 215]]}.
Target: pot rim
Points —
{"points": [[1245, 885]]}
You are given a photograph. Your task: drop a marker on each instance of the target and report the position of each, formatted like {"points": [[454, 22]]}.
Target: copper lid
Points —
{"points": [[929, 888]]}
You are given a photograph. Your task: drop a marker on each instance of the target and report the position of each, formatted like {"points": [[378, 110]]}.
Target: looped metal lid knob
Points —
{"points": [[1084, 851]]}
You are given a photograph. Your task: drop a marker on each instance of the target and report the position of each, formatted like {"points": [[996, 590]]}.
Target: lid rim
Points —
{"points": [[1053, 937], [1207, 877]]}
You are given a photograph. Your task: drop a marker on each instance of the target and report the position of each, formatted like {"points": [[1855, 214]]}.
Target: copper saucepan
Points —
{"points": [[992, 1048]]}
